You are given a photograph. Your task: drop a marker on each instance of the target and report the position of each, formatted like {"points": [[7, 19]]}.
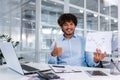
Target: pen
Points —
{"points": [[58, 66], [76, 71], [115, 65]]}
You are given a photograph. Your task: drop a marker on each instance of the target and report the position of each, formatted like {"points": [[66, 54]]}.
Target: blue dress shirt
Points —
{"points": [[73, 52]]}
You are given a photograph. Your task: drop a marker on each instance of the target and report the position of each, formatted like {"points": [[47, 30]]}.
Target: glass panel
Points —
{"points": [[77, 2], [49, 34], [46, 38], [1, 17], [92, 21], [79, 32], [114, 8], [114, 25], [28, 36], [104, 23], [104, 7], [5, 17], [15, 24], [80, 17], [115, 42], [28, 25], [50, 13], [114, 28], [10, 18], [92, 5]]}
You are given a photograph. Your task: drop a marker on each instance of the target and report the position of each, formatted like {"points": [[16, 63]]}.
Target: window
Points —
{"points": [[92, 21], [92, 5], [77, 2], [104, 23]]}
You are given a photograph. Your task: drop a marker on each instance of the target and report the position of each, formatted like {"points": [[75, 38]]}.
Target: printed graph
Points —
{"points": [[100, 40]]}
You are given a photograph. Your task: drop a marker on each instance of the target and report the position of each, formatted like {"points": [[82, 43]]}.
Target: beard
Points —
{"points": [[68, 32]]}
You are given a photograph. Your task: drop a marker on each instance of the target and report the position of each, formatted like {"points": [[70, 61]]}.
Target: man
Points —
{"points": [[69, 49]]}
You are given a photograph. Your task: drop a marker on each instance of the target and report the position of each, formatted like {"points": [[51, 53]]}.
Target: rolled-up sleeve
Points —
{"points": [[89, 56], [90, 59]]}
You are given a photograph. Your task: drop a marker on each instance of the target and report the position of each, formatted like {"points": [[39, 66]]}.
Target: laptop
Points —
{"points": [[12, 60]]}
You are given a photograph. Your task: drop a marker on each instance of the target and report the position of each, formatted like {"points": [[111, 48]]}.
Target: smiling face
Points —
{"points": [[68, 28], [67, 22]]}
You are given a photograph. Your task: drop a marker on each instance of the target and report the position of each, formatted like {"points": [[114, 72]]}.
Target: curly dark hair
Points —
{"points": [[67, 17]]}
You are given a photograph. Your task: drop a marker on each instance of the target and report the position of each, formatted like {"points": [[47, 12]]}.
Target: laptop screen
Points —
{"points": [[10, 56]]}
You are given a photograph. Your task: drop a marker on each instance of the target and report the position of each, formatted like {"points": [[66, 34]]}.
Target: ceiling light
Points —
{"points": [[81, 11], [115, 20], [106, 18], [95, 15]]}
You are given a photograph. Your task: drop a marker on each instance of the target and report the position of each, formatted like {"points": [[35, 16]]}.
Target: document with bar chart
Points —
{"points": [[100, 40]]}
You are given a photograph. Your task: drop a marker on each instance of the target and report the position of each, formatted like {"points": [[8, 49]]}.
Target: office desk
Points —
{"points": [[8, 74]]}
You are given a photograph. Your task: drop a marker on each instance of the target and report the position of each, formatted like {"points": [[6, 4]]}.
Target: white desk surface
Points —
{"points": [[8, 74]]}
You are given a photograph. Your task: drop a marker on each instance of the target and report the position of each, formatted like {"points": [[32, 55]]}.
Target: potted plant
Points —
{"points": [[7, 39]]}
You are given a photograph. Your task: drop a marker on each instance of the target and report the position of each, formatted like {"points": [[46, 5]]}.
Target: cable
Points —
{"points": [[115, 65]]}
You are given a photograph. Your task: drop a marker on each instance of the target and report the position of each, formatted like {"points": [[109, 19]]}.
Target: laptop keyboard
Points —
{"points": [[28, 68]]}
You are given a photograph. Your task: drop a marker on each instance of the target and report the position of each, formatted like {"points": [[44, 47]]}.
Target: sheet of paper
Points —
{"points": [[100, 40], [60, 69], [65, 69]]}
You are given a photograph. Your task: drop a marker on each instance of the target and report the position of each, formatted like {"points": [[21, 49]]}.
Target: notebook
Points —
{"points": [[12, 60]]}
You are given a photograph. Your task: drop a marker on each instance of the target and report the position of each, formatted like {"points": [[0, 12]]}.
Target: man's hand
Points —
{"points": [[98, 55], [57, 51]]}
